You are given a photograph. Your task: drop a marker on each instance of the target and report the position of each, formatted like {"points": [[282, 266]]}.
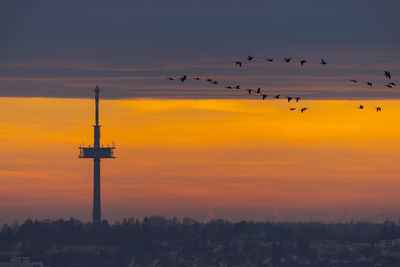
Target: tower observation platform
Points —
{"points": [[96, 152]]}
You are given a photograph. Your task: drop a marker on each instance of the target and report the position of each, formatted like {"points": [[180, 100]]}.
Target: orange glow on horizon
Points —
{"points": [[202, 158]]}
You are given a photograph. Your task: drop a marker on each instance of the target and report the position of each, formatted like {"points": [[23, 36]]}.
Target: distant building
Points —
{"points": [[385, 244], [90, 249], [21, 262]]}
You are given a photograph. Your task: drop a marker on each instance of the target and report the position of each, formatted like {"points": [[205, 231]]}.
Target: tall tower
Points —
{"points": [[96, 153]]}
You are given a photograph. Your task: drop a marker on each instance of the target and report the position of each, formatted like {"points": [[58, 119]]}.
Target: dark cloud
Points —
{"points": [[73, 44]]}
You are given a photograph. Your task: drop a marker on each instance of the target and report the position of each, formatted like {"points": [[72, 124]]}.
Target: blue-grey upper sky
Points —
{"points": [[62, 48]]}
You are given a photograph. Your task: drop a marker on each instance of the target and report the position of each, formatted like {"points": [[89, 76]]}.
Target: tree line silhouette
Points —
{"points": [[132, 233]]}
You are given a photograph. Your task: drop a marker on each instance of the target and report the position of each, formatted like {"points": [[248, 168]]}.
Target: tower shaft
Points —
{"points": [[96, 216]]}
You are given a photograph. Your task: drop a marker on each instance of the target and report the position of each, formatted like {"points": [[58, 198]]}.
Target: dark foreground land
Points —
{"points": [[157, 241]]}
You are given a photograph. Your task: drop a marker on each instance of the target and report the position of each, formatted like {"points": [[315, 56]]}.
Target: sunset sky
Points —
{"points": [[193, 148]]}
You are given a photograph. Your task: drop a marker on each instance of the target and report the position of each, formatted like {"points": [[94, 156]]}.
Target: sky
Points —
{"points": [[232, 159], [192, 148]]}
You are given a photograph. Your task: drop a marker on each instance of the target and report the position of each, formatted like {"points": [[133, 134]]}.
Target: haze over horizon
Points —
{"points": [[194, 149]]}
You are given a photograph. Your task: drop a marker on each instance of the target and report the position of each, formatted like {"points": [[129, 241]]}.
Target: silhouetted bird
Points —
{"points": [[303, 62], [393, 84], [170, 78], [183, 78], [289, 98], [237, 86], [277, 96], [264, 97], [323, 62], [388, 74], [303, 109], [354, 81], [269, 59], [297, 99], [388, 85], [249, 90], [291, 109], [198, 79], [369, 84], [209, 80], [238, 63], [378, 109], [229, 87], [258, 91], [361, 107], [250, 58], [287, 59], [214, 82]]}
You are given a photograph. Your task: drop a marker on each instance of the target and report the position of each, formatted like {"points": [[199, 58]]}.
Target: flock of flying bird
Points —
{"points": [[389, 85], [287, 60], [278, 96]]}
